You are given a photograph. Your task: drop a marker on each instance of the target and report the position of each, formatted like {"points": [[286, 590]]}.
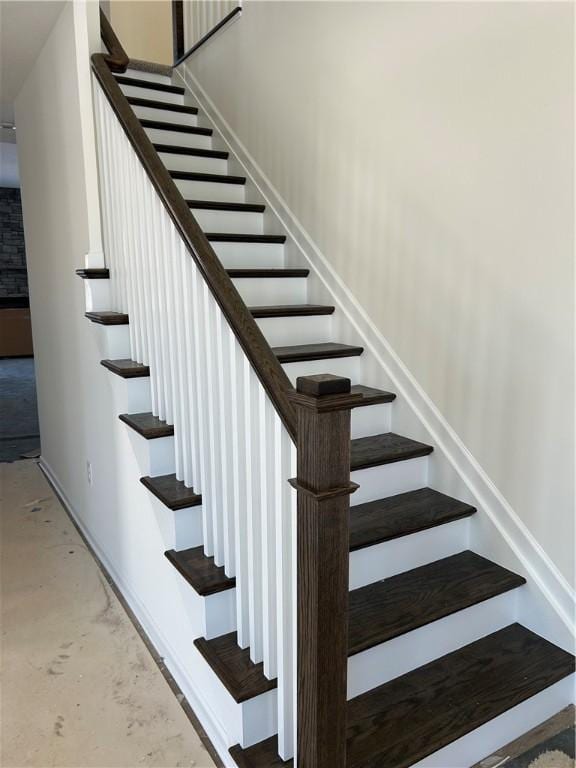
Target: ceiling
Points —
{"points": [[24, 26]]}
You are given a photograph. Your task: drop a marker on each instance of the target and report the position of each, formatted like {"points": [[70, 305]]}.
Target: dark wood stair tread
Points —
{"points": [[326, 351], [403, 514], [173, 149], [385, 449], [136, 101], [147, 425], [241, 677], [126, 368], [229, 237], [200, 571], [218, 178], [94, 273], [107, 318], [291, 310], [415, 715], [149, 84], [171, 492], [404, 602], [250, 272], [216, 205], [371, 396], [178, 127]]}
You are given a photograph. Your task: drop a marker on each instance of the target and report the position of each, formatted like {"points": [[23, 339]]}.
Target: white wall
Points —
{"points": [[144, 27], [427, 149]]}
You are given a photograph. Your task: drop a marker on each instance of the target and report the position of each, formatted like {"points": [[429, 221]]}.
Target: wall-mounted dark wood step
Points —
{"points": [[386, 519], [267, 273], [136, 101], [149, 84], [385, 449], [221, 237], [200, 571], [295, 310], [147, 425], [371, 396], [218, 178], [241, 677], [215, 205], [94, 273], [415, 715], [409, 600], [107, 318], [172, 149], [305, 352], [127, 369], [171, 492], [178, 127]]}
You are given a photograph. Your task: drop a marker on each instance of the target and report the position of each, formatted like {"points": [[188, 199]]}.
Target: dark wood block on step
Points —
{"points": [[147, 425], [136, 101], [174, 149], [242, 678], [127, 369], [94, 273], [200, 571], [161, 125], [415, 715], [409, 600], [171, 492], [216, 205], [385, 449], [296, 310], [107, 318], [265, 273], [230, 237], [305, 352], [149, 84], [405, 513]]}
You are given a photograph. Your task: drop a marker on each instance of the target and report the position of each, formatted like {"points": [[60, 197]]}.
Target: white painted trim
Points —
{"points": [[208, 720], [535, 562]]}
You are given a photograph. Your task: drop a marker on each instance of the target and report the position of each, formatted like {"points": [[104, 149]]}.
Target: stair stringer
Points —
{"points": [[548, 604]]}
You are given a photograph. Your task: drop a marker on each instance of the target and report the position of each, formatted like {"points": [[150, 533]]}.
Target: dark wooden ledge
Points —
{"points": [[263, 360]]}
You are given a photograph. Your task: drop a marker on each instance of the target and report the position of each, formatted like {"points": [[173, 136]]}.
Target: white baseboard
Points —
{"points": [[207, 719], [536, 564]]}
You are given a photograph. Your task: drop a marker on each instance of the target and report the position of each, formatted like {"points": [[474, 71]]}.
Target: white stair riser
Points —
{"points": [[149, 93], [181, 528], [389, 479], [371, 420], [113, 341], [259, 719], [389, 660], [229, 221], [178, 139], [176, 162], [152, 77], [500, 731], [209, 190], [272, 290], [130, 395], [154, 457], [339, 366], [246, 255], [280, 331], [97, 294], [166, 115], [219, 614], [388, 558]]}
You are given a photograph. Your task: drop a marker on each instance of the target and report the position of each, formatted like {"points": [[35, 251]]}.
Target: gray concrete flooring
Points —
{"points": [[18, 409], [79, 687]]}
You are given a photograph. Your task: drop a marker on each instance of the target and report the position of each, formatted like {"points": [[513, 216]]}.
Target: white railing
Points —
{"points": [[201, 16], [230, 443]]}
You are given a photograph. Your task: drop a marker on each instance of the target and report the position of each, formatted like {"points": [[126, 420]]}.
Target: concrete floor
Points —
{"points": [[80, 688], [18, 409]]}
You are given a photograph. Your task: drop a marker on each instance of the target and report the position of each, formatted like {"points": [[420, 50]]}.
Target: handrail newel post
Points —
{"points": [[322, 404]]}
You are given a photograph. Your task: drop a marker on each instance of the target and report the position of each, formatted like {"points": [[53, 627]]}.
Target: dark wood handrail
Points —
{"points": [[264, 362], [117, 58], [234, 12]]}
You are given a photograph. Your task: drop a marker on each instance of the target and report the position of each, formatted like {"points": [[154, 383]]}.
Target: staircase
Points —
{"points": [[439, 672]]}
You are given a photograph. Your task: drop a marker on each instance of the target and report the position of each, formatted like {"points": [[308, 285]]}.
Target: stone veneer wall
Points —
{"points": [[13, 277]]}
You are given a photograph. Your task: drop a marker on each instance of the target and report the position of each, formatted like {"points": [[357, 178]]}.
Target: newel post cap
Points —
{"points": [[323, 384], [324, 392]]}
